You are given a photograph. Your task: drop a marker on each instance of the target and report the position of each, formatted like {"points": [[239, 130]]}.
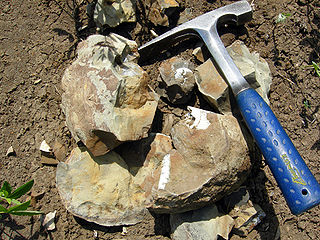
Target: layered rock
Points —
{"points": [[113, 12], [106, 97]]}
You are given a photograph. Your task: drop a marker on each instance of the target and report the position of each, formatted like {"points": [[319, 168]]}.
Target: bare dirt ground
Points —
{"points": [[37, 42]]}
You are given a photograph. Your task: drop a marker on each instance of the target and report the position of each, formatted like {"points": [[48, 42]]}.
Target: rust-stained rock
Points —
{"points": [[100, 189], [176, 80], [113, 12], [106, 98], [159, 11]]}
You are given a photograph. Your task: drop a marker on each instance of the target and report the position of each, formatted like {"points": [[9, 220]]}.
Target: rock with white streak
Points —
{"points": [[159, 11], [100, 189], [206, 223], [113, 12], [106, 97], [176, 80], [209, 160]]}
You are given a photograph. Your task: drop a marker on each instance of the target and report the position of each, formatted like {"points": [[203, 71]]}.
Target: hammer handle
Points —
{"points": [[299, 187]]}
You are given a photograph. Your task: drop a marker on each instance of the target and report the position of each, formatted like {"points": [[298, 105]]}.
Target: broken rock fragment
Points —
{"points": [[106, 98], [205, 223], [100, 189], [113, 12], [159, 11], [254, 69], [176, 80]]}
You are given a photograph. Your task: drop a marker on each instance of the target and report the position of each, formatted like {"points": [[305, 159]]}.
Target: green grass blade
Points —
{"points": [[20, 207], [316, 67], [6, 188], [3, 209], [26, 213], [22, 190]]}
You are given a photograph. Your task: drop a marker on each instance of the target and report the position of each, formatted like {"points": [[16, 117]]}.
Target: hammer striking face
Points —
{"points": [[299, 187]]}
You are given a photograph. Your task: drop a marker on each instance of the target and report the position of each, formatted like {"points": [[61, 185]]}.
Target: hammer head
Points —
{"points": [[237, 13]]}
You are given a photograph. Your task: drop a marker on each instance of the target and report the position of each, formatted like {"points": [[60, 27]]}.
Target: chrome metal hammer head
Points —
{"points": [[205, 27]]}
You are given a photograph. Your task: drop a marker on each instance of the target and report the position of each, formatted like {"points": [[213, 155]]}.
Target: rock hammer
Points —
{"points": [[299, 187]]}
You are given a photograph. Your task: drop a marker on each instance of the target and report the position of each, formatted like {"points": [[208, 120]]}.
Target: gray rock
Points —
{"points": [[176, 80], [100, 189], [113, 12], [106, 98], [205, 224], [159, 11], [254, 68]]}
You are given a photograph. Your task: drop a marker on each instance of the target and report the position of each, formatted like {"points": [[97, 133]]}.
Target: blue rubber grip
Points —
{"points": [[299, 187]]}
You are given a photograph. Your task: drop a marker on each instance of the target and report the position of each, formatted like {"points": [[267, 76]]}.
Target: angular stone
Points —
{"points": [[254, 69], [176, 80], [159, 11], [246, 214], [205, 223], [213, 86], [100, 189], [260, 76], [10, 152], [112, 13], [106, 96]]}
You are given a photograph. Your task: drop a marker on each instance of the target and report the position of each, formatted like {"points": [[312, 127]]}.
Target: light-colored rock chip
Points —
{"points": [[100, 189], [106, 98], [206, 223], [10, 151], [113, 12]]}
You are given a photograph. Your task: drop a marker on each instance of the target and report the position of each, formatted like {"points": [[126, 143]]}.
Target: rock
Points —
{"points": [[246, 215], [60, 151], [210, 155], [185, 16], [100, 189], [106, 96], [176, 80], [159, 11], [48, 159], [206, 224], [197, 52], [213, 87], [10, 152], [254, 68], [112, 13], [44, 147], [47, 221]]}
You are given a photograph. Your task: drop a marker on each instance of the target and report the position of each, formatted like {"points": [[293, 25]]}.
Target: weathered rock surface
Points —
{"points": [[100, 189], [206, 223], [106, 98], [113, 12], [213, 86], [210, 160], [176, 80], [247, 62], [254, 69], [159, 11]]}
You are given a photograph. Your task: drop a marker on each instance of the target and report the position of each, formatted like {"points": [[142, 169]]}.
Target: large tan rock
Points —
{"points": [[100, 189], [106, 98], [159, 11]]}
